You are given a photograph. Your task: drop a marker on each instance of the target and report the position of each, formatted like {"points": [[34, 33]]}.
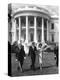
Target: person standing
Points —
{"points": [[32, 51], [21, 56], [41, 48], [40, 51]]}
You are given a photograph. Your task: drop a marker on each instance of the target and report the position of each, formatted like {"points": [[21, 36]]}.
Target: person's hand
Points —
{"points": [[55, 57], [24, 57], [16, 60]]}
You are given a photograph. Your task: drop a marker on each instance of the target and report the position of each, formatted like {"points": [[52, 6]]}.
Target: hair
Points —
{"points": [[40, 45]]}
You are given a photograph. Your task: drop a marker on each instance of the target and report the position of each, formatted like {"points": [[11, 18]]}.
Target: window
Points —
{"points": [[39, 38], [45, 23], [52, 37], [23, 21], [52, 26], [31, 20], [45, 35], [39, 21], [39, 35], [31, 37], [17, 34], [17, 23]]}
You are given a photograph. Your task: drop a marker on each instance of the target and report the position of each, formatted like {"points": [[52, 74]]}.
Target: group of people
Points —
{"points": [[31, 51]]}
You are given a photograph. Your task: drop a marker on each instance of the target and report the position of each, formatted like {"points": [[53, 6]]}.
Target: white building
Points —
{"points": [[34, 23]]}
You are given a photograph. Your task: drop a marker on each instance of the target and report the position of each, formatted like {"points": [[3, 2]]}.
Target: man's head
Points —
{"points": [[40, 45], [33, 43]]}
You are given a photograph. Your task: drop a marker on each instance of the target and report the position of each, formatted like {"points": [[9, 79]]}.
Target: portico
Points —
{"points": [[30, 24], [30, 29]]}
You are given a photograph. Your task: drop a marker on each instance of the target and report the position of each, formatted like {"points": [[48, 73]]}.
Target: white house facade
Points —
{"points": [[33, 23]]}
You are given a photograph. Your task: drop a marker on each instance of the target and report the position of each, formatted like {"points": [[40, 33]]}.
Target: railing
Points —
{"points": [[31, 8]]}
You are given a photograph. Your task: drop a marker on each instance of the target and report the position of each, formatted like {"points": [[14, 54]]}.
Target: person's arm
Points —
{"points": [[24, 55], [44, 47], [23, 51], [29, 51]]}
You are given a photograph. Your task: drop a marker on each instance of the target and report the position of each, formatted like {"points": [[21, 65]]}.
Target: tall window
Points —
{"points": [[23, 21], [17, 23], [52, 26], [24, 37], [31, 20], [31, 36], [39, 21], [39, 35], [17, 34], [23, 34], [52, 37], [45, 23], [39, 38], [45, 35]]}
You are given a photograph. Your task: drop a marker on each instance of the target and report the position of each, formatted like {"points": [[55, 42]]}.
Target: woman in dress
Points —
{"points": [[41, 48], [40, 51]]}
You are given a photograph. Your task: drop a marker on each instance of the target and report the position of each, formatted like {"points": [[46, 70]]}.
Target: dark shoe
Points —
{"points": [[18, 68]]}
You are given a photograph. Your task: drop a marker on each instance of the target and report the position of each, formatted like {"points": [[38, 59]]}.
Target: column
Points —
{"points": [[19, 28], [35, 30], [42, 40], [47, 30], [13, 30], [27, 29]]}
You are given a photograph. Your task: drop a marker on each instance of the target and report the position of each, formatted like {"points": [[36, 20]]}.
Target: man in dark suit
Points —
{"points": [[32, 51], [56, 53], [21, 56]]}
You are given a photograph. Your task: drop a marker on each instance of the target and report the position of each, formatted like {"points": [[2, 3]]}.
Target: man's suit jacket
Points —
{"points": [[32, 51], [21, 53]]}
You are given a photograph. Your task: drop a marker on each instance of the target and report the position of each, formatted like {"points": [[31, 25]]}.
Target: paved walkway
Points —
{"points": [[49, 66]]}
